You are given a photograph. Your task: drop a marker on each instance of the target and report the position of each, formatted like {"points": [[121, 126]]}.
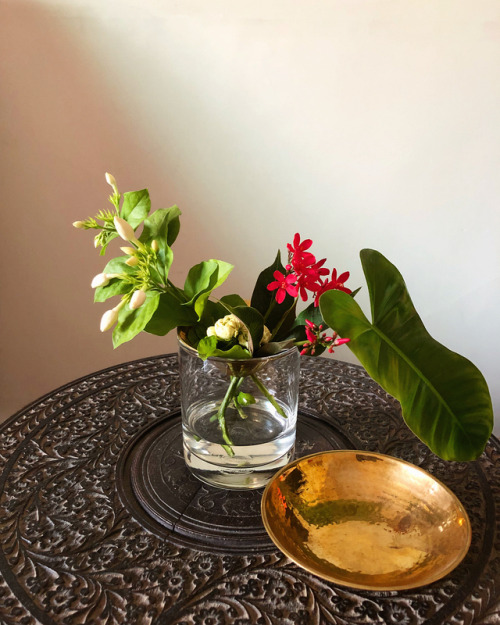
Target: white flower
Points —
{"points": [[124, 229], [79, 224], [211, 331], [137, 299], [227, 328], [266, 336], [101, 279]]}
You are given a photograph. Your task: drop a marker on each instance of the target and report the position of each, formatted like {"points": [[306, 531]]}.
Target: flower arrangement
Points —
{"points": [[226, 327], [444, 398]]}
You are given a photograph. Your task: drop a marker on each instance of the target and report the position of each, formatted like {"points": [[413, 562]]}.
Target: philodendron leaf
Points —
{"points": [[444, 398]]}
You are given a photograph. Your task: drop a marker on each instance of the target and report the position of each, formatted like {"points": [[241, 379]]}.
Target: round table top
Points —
{"points": [[77, 545]]}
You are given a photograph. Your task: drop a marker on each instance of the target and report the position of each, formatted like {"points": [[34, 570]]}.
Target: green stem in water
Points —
{"points": [[273, 401], [221, 414], [239, 409]]}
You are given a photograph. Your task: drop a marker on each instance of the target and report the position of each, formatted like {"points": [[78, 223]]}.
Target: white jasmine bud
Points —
{"points": [[96, 241], [154, 245], [110, 317], [132, 261], [110, 179], [101, 279], [137, 299], [128, 250], [266, 336], [211, 331], [124, 229], [108, 320], [79, 224]]}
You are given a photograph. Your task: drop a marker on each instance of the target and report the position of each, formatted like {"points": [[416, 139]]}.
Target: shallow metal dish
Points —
{"points": [[366, 520]]}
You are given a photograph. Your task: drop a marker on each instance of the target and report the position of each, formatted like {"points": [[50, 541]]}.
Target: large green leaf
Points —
{"points": [[444, 398]]}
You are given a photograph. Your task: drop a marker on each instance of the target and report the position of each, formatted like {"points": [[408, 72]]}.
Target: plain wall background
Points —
{"points": [[358, 123]]}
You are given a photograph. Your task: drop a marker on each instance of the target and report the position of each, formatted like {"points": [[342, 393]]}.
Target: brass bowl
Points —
{"points": [[366, 520]]}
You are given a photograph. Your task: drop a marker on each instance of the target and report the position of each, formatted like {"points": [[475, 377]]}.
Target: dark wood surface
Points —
{"points": [[100, 521]]}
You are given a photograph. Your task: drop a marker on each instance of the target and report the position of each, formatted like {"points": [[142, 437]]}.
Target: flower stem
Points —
{"points": [[273, 401], [221, 414]]}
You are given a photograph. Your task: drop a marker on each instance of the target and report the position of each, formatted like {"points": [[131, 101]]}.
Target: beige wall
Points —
{"points": [[361, 123]]}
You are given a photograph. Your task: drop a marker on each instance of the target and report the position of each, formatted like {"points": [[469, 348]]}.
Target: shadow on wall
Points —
{"points": [[62, 128]]}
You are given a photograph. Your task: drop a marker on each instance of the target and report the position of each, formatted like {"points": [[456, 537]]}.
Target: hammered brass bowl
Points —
{"points": [[366, 520]]}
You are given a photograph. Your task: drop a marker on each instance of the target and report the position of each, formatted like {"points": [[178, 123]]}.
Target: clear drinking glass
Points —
{"points": [[259, 398]]}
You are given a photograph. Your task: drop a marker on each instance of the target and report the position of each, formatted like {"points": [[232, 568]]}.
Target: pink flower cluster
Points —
{"points": [[317, 338], [304, 273]]}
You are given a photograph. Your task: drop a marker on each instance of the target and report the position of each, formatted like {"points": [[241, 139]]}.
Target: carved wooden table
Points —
{"points": [[100, 522]]}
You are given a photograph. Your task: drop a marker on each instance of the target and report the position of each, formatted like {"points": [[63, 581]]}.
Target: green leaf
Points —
{"points": [[115, 286], [202, 279], [170, 314], [136, 206], [131, 322], [265, 301], [163, 226], [208, 347], [274, 347], [233, 300], [444, 398], [245, 399]]}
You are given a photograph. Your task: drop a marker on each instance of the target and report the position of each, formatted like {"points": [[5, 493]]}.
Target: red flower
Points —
{"points": [[334, 283], [298, 249], [284, 284]]}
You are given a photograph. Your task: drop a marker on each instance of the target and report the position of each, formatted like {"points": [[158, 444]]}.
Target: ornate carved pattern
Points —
{"points": [[72, 551]]}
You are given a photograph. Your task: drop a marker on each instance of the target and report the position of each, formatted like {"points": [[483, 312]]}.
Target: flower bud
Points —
{"points": [[100, 280], [128, 250], [132, 261], [137, 299], [211, 331], [124, 229], [110, 179], [96, 241], [109, 319], [79, 224], [154, 245]]}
